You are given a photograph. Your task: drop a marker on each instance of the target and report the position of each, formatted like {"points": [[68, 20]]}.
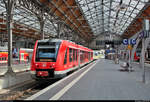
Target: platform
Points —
{"points": [[16, 68], [22, 72], [103, 81]]}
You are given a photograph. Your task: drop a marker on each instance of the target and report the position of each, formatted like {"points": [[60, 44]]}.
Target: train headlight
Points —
{"points": [[32, 72], [37, 65]]}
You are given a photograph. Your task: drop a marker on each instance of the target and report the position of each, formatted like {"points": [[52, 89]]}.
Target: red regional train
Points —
{"points": [[3, 57], [54, 58], [23, 55]]}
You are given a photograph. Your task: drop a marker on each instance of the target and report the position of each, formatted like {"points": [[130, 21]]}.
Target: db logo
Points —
{"points": [[44, 65]]}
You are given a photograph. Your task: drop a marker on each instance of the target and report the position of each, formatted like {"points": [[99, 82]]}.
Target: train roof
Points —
{"points": [[3, 48], [55, 40], [50, 40], [60, 40]]}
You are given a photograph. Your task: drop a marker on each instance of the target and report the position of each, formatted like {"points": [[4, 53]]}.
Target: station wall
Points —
{"points": [[101, 40]]}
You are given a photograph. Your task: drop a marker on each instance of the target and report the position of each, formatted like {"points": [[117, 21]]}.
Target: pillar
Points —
{"points": [[9, 4], [42, 22], [59, 26]]}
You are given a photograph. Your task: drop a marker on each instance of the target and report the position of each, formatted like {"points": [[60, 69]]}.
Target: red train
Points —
{"points": [[23, 55], [3, 57], [55, 58]]}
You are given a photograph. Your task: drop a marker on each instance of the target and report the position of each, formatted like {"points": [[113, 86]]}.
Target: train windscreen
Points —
{"points": [[47, 51]]}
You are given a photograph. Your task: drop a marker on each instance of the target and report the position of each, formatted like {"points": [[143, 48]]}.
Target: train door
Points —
{"points": [[81, 60], [66, 59], [21, 56], [73, 57], [78, 58], [89, 56], [70, 57]]}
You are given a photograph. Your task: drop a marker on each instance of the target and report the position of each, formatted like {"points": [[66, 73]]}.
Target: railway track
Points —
{"points": [[24, 90], [28, 88]]}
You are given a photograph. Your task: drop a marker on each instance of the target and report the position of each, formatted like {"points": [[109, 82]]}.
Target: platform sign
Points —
{"points": [[133, 41], [129, 42], [125, 41], [144, 34], [141, 35]]}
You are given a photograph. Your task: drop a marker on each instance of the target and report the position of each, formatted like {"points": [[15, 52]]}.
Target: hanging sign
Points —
{"points": [[129, 42]]}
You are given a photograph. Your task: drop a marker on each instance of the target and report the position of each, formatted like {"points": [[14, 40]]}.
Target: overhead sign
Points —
{"points": [[125, 41], [131, 41], [144, 34]]}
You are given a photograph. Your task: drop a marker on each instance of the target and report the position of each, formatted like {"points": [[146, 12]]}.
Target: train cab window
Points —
{"points": [[70, 54], [47, 51], [65, 60], [48, 54], [0, 59]]}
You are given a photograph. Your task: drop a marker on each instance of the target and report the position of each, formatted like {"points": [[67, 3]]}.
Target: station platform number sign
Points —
{"points": [[129, 41]]}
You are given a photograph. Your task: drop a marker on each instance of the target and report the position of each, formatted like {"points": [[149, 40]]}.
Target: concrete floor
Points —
{"points": [[13, 80], [16, 68], [105, 82]]}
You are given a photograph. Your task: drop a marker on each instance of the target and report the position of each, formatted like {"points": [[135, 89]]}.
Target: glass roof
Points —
{"points": [[27, 18], [112, 16]]}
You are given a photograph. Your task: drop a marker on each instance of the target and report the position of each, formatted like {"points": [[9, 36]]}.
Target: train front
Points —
{"points": [[44, 59]]}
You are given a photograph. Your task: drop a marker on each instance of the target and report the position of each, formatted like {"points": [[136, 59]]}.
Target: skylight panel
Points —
{"points": [[140, 6]]}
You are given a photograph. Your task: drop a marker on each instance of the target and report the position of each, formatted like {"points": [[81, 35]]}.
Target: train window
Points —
{"points": [[80, 52], [0, 59], [89, 55], [84, 56], [22, 56], [81, 56], [74, 54], [65, 60], [46, 53], [70, 54]]}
